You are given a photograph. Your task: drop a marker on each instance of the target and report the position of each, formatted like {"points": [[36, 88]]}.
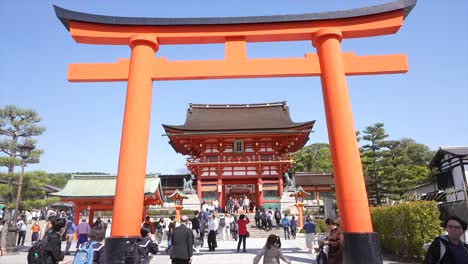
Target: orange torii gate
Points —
{"points": [[325, 31]]}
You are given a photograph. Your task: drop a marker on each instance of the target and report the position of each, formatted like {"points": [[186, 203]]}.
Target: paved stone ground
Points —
{"points": [[225, 253]]}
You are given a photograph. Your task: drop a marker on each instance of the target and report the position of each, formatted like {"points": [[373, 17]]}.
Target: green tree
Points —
{"points": [[405, 166], [17, 125], [372, 155], [33, 193], [313, 158]]}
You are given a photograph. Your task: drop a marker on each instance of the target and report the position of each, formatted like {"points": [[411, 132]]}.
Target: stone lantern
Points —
{"points": [[178, 198], [300, 196]]}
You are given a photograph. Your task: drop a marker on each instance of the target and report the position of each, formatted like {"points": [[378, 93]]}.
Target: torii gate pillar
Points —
{"points": [[134, 143], [349, 180]]}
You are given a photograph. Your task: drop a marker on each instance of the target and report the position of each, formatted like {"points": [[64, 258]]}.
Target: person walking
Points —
{"points": [[35, 229], [196, 232], [234, 227], [146, 246], [449, 248], [309, 228], [108, 228], [277, 218], [243, 233], [335, 242], [271, 252], [229, 205], [148, 225], [257, 218], [83, 230], [286, 224], [52, 252], [182, 243], [269, 219], [159, 230], [70, 229], [170, 230], [246, 205], [293, 226], [213, 225], [21, 225], [227, 227]]}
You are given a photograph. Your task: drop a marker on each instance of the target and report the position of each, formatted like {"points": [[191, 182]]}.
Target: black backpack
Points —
{"points": [[147, 226], [36, 252], [277, 215]]}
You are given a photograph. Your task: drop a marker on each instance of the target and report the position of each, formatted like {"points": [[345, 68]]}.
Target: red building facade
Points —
{"points": [[239, 150]]}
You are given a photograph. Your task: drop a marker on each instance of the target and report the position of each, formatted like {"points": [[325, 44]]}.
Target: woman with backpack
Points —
{"points": [[92, 251], [271, 252]]}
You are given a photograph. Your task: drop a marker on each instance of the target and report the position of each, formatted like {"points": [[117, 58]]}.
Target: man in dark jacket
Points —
{"points": [[449, 249], [52, 252], [146, 246], [182, 243]]}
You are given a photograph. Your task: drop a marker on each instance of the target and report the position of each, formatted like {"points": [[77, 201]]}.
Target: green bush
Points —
{"points": [[320, 226], [160, 212], [404, 228], [187, 212]]}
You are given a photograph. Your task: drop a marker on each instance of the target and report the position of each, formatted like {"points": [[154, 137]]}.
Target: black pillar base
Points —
{"points": [[362, 248], [122, 250], [11, 237]]}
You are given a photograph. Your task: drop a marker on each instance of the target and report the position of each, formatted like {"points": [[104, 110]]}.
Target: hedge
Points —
{"points": [[404, 228], [320, 226]]}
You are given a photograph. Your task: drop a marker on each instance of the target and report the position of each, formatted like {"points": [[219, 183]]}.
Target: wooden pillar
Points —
{"points": [[300, 206], [280, 186], [349, 180], [129, 194], [220, 193], [260, 192], [199, 188], [91, 217], [76, 217], [178, 208]]}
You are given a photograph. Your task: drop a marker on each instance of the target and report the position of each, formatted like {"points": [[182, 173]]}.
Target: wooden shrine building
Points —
{"points": [[239, 149], [96, 193]]}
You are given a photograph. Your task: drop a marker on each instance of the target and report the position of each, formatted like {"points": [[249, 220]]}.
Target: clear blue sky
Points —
{"points": [[84, 120]]}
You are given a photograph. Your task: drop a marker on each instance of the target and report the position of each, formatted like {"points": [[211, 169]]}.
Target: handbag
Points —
{"points": [[248, 234]]}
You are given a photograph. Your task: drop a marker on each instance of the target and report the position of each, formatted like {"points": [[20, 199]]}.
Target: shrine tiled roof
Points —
{"points": [[239, 117], [101, 186]]}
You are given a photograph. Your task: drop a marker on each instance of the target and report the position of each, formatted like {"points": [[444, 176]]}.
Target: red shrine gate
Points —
{"points": [[324, 30], [238, 150]]}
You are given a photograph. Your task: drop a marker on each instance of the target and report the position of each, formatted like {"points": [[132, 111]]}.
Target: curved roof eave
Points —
{"points": [[183, 129], [66, 16]]}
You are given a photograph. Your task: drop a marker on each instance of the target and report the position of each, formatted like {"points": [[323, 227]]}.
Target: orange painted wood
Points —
{"points": [[164, 70], [347, 170], [357, 27], [129, 194]]}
